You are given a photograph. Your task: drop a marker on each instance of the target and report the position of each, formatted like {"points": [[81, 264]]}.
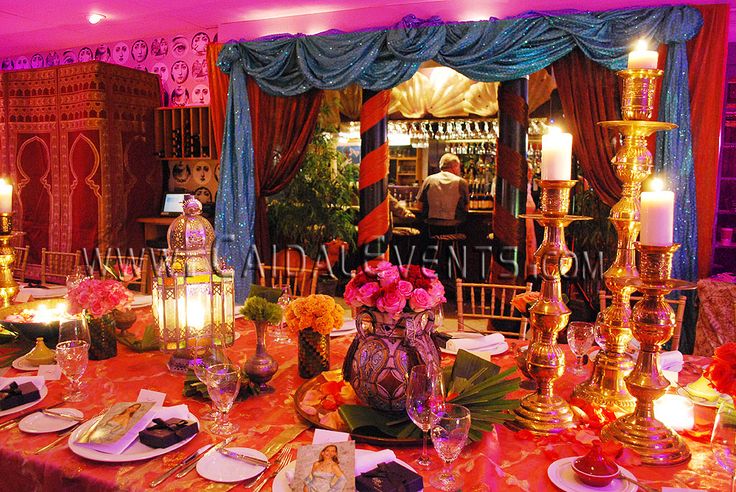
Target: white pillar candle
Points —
{"points": [[657, 217], [675, 411], [642, 57], [6, 197], [556, 155]]}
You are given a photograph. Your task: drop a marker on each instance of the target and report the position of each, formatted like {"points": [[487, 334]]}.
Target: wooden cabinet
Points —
{"points": [[78, 142]]}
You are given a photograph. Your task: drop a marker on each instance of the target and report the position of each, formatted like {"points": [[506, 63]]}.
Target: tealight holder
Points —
{"points": [[543, 411], [8, 285], [653, 322], [637, 99]]}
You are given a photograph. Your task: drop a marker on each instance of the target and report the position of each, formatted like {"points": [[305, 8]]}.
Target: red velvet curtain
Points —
{"points": [[282, 129], [707, 57], [588, 92], [219, 82]]}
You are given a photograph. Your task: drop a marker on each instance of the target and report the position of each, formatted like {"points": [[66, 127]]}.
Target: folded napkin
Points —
{"points": [[38, 381], [671, 361], [475, 343], [363, 462], [163, 413]]}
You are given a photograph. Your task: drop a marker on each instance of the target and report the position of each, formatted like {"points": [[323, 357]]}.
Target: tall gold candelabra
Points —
{"points": [[543, 411], [653, 322], [8, 285], [632, 163]]}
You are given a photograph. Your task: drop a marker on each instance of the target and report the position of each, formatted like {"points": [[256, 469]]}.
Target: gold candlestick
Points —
{"points": [[543, 411], [637, 100], [653, 323], [8, 285]]}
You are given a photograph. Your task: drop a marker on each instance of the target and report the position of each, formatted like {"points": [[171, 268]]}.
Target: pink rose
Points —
{"points": [[429, 273], [368, 293], [388, 276], [421, 300], [405, 288], [391, 302], [351, 294], [437, 291]]}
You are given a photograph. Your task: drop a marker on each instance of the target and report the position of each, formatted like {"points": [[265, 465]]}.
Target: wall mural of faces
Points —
{"points": [[199, 178], [179, 60]]}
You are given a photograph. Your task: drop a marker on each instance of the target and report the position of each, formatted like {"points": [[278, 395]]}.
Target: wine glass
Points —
{"points": [[203, 357], [73, 329], [76, 277], [600, 340], [72, 357], [449, 434], [580, 340], [223, 385], [279, 333], [723, 440], [423, 394]]}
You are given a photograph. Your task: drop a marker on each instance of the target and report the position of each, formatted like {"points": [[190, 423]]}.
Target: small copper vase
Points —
{"points": [[261, 367], [314, 353]]}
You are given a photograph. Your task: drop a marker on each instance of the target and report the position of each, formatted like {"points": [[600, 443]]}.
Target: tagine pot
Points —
{"points": [[383, 352]]}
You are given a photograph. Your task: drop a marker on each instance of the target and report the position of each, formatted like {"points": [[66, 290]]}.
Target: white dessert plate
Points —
{"points": [[40, 423], [699, 400], [22, 364], [491, 349], [43, 392], [347, 328], [220, 468], [281, 484], [134, 452], [562, 475]]}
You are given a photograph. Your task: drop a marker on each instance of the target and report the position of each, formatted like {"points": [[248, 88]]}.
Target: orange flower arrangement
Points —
{"points": [[722, 370], [318, 311]]}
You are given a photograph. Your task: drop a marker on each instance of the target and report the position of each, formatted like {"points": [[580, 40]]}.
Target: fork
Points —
{"points": [[282, 459]]}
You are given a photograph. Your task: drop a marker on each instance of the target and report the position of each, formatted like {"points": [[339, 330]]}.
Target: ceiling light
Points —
{"points": [[95, 18]]}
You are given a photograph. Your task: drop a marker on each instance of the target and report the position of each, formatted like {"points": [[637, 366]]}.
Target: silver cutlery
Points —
{"points": [[283, 460], [179, 465], [56, 441], [62, 415], [243, 457], [213, 449]]}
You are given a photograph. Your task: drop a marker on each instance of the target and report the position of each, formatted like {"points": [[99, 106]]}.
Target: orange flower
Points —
{"points": [[319, 312]]}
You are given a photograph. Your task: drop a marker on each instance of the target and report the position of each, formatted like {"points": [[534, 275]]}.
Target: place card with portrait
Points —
{"points": [[325, 466]]}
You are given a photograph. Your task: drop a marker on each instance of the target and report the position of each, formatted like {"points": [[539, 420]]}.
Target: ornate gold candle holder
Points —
{"points": [[653, 323], [637, 101], [543, 411], [632, 163], [8, 285]]}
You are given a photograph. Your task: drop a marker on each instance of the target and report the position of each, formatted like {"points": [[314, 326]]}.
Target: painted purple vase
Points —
{"points": [[383, 352]]}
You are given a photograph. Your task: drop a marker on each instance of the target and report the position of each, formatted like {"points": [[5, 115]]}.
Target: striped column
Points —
{"points": [[374, 232], [511, 180]]}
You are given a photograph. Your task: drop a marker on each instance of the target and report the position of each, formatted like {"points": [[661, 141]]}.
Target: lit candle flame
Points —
{"points": [[642, 45], [655, 184]]}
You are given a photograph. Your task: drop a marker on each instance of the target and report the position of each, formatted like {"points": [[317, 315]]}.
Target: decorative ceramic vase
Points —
{"points": [[261, 367], [124, 319], [383, 352], [103, 343], [314, 353]]}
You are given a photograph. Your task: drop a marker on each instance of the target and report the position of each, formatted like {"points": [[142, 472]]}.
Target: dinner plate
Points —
{"points": [[40, 423], [347, 328], [43, 392], [45, 292], [141, 300], [135, 452], [219, 468], [700, 401], [561, 474], [281, 484], [494, 349]]}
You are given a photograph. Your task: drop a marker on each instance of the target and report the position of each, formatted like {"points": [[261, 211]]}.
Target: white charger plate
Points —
{"points": [[45, 292], [141, 300], [562, 475], [281, 484], [40, 423], [701, 401], [219, 468], [42, 392], [495, 349], [347, 328], [135, 452]]}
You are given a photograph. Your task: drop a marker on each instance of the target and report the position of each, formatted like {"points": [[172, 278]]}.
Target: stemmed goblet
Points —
{"points": [[203, 357], [723, 440], [449, 435], [279, 333], [223, 386], [72, 355], [424, 393], [580, 340]]}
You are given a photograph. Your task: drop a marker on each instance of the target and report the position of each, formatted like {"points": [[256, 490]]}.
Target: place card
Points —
{"points": [[155, 397], [50, 372], [323, 436]]}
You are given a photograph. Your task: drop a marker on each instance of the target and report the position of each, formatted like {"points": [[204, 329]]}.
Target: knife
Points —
{"points": [[56, 441], [243, 457], [191, 465], [20, 417], [178, 466], [62, 415]]}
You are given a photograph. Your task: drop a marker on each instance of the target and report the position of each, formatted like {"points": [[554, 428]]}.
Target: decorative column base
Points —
{"points": [[606, 387], [656, 443], [544, 415]]}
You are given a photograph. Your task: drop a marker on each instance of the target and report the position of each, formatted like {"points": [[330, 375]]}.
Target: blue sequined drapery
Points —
{"points": [[493, 50]]}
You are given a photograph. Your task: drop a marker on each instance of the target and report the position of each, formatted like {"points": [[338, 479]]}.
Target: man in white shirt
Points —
{"points": [[444, 196]]}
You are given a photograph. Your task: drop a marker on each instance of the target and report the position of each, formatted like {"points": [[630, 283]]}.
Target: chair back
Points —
{"points": [[301, 282], [490, 302], [56, 265], [20, 263], [678, 306], [136, 267]]}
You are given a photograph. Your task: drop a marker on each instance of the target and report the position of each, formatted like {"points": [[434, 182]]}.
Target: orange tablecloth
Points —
{"points": [[500, 462]]}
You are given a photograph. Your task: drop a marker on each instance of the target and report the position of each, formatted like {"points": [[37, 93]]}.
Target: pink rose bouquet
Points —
{"points": [[393, 290], [99, 297]]}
